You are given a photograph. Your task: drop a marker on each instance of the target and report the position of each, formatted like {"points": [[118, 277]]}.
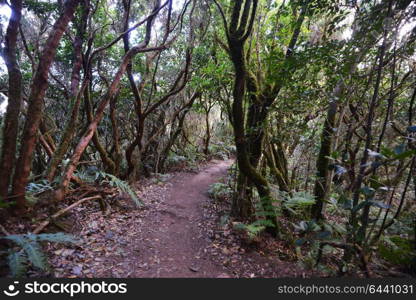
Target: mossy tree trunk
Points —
{"points": [[10, 129]]}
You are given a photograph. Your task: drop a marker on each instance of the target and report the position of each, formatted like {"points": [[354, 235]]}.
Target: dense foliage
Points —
{"points": [[315, 99]]}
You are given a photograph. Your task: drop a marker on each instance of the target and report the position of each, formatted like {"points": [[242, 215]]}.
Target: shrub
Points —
{"points": [[220, 191], [29, 251], [397, 250]]}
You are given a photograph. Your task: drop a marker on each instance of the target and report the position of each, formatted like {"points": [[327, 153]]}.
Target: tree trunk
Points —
{"points": [[11, 124], [207, 132], [35, 108], [67, 136], [75, 96], [323, 173]]}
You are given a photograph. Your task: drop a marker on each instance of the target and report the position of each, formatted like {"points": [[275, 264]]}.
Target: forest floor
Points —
{"points": [[177, 234]]}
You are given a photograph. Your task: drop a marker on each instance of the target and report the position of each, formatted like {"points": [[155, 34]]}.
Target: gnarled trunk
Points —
{"points": [[35, 108], [8, 153]]}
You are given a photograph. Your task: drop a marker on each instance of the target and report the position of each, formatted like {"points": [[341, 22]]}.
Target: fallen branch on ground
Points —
{"points": [[61, 212]]}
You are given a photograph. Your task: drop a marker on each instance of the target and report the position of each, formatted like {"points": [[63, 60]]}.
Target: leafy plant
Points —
{"points": [[219, 191], [174, 160], [397, 250], [93, 174], [122, 185], [31, 250], [89, 174], [298, 202], [33, 189], [253, 229]]}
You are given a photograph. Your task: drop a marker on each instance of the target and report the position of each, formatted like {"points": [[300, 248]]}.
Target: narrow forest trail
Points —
{"points": [[175, 235], [174, 246], [167, 238]]}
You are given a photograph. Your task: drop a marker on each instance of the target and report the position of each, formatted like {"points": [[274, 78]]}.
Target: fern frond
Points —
{"points": [[123, 186], [36, 255], [86, 176], [32, 249], [18, 239], [16, 262], [59, 237], [263, 222], [39, 187]]}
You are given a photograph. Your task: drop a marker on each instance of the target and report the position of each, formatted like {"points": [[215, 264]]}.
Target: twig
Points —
{"points": [[61, 212]]}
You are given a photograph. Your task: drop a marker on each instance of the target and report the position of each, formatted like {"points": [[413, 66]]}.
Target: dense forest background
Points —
{"points": [[315, 100]]}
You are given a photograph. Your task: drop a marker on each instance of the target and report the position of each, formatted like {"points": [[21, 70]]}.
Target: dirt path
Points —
{"points": [[174, 246], [165, 239], [175, 235]]}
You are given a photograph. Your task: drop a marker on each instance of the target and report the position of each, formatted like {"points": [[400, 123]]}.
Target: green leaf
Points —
{"points": [[338, 228], [347, 204], [308, 226], [387, 152], [266, 223], [17, 238], [32, 249], [239, 226], [335, 154]]}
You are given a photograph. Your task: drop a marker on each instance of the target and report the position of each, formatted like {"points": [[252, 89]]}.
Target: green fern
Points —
{"points": [[35, 255], [88, 175], [219, 191], [255, 228], [35, 188], [299, 202], [123, 186], [59, 237], [31, 250], [39, 186], [18, 239], [93, 174], [17, 263]]}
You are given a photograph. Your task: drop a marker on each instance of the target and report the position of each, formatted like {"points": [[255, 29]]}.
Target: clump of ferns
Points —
{"points": [[94, 175], [27, 251]]}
